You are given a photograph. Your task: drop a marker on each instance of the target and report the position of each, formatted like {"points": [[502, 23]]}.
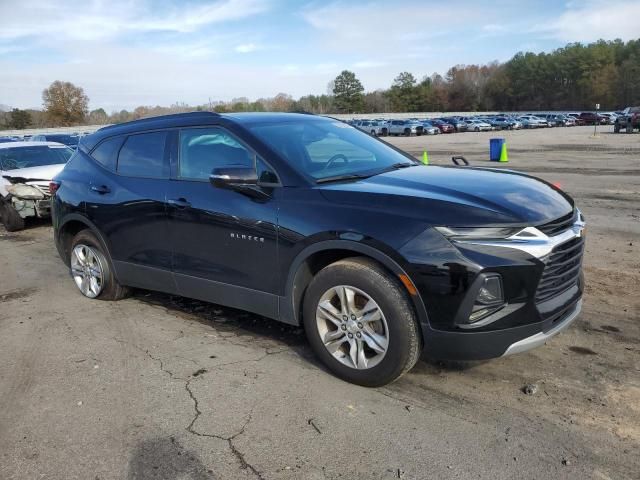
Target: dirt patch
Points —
{"points": [[17, 294]]}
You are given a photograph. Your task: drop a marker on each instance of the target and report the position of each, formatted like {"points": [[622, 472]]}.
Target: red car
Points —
{"points": [[443, 126], [591, 118]]}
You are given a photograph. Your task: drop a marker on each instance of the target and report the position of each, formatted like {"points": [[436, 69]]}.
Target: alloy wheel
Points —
{"points": [[352, 327], [87, 270]]}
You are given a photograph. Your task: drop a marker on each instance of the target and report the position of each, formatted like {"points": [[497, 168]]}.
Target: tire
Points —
{"points": [[10, 217], [397, 324], [616, 127], [373, 133], [407, 132], [477, 129], [109, 288], [629, 126]]}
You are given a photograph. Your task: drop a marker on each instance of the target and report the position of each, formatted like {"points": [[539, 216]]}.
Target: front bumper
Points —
{"points": [[543, 287]]}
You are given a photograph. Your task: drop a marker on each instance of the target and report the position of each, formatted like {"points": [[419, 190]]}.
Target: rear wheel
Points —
{"points": [[92, 270], [10, 217], [407, 132], [629, 126], [360, 323]]}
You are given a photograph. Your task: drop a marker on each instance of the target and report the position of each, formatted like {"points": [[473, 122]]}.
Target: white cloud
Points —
{"points": [[369, 64], [383, 29], [97, 19], [591, 20], [247, 48]]}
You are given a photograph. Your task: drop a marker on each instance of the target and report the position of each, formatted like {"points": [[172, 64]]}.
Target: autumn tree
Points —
{"points": [[347, 91], [19, 119], [98, 116], [65, 104]]}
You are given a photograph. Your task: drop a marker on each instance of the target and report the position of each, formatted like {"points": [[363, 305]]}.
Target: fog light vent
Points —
{"points": [[490, 298]]}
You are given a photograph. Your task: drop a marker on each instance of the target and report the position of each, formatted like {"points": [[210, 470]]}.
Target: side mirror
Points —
{"points": [[233, 177]]}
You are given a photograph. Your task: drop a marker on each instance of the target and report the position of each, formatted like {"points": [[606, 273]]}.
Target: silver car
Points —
{"points": [[405, 127], [372, 127], [475, 125], [429, 128]]}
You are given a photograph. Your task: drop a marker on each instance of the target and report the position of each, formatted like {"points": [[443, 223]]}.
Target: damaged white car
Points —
{"points": [[26, 168]]}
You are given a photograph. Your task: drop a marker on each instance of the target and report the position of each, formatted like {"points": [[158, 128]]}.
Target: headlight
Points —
{"points": [[474, 233]]}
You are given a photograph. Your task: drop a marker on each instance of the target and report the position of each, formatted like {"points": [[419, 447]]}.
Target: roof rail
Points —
{"points": [[162, 117]]}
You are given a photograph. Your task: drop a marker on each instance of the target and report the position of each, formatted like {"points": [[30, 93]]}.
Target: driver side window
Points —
{"points": [[203, 149]]}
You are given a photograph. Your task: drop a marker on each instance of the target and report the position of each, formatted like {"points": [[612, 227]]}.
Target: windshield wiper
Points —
{"points": [[339, 178], [359, 176]]}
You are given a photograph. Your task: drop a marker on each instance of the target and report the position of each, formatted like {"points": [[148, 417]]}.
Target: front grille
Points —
{"points": [[562, 269], [558, 225]]}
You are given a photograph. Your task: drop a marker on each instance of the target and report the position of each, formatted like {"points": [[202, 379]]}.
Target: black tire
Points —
{"points": [[10, 217], [404, 338], [616, 127], [629, 126], [407, 132], [111, 290]]}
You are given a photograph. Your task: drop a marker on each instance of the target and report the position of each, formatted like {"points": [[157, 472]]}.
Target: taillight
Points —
{"points": [[53, 187]]}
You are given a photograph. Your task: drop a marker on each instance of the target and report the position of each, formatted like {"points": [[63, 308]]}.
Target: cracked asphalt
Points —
{"points": [[161, 387]]}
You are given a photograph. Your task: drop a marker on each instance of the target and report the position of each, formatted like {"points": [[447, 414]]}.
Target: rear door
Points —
{"points": [[224, 242], [128, 206]]}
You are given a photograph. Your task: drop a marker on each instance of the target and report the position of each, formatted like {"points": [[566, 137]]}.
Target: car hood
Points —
{"points": [[456, 196], [45, 172]]}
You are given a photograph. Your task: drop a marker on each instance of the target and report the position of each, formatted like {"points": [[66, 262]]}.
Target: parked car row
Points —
{"points": [[481, 123], [68, 139]]}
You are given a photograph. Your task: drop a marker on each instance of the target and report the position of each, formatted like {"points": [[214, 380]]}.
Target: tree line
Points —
{"points": [[574, 77]]}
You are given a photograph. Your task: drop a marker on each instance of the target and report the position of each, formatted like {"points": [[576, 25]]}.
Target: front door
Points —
{"points": [[224, 242]]}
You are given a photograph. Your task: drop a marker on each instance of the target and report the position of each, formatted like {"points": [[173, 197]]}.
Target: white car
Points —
{"points": [[531, 121], [26, 168], [372, 127], [478, 125]]}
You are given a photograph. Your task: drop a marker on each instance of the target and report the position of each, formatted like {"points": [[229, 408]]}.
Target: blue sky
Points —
{"points": [[126, 53]]}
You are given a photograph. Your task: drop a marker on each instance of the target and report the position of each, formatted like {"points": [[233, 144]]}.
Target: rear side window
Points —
{"points": [[106, 154], [143, 155]]}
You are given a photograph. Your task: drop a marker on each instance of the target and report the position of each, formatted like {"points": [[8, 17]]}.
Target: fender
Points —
{"points": [[82, 219], [289, 305]]}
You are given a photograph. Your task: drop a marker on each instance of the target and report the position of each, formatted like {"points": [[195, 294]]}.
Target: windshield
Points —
{"points": [[33, 156], [323, 149]]}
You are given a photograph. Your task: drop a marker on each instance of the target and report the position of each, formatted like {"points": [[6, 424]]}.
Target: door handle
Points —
{"points": [[101, 189], [179, 203]]}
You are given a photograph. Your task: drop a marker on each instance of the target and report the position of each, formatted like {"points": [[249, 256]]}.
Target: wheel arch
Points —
{"points": [[317, 256], [69, 227]]}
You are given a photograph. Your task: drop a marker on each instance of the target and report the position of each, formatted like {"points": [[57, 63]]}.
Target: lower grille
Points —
{"points": [[562, 270]]}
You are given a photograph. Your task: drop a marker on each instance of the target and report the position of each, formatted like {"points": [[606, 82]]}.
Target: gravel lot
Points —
{"points": [[163, 387]]}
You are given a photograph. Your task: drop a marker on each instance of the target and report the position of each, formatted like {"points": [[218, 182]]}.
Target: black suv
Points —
{"points": [[309, 221]]}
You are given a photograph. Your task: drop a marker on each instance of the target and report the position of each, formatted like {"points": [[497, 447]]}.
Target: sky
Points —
{"points": [[126, 53]]}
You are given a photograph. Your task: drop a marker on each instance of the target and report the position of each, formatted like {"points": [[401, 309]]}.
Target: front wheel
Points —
{"points": [[10, 217], [360, 323], [92, 270]]}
